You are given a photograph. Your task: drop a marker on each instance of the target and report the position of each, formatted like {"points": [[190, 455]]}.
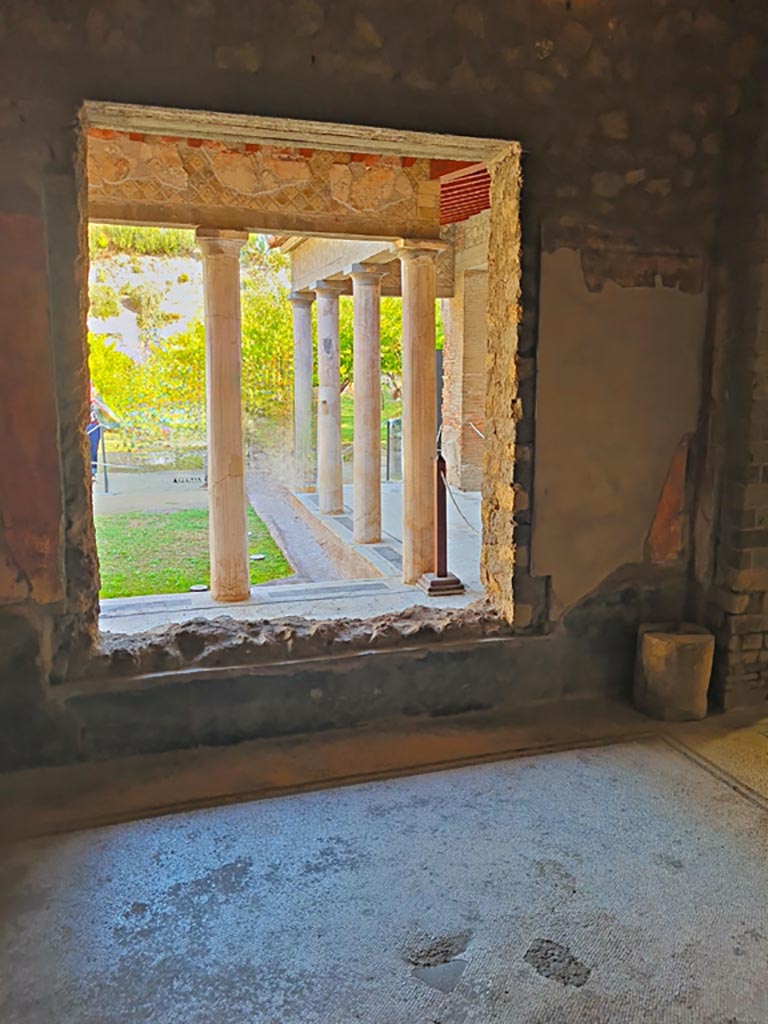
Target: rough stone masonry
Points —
{"points": [[643, 128]]}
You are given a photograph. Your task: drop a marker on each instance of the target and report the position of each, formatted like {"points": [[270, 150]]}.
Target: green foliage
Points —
{"points": [[176, 369], [167, 552], [439, 327], [111, 239], [104, 301], [256, 252], [391, 408], [113, 373], [391, 319], [267, 329], [162, 400], [145, 299]]}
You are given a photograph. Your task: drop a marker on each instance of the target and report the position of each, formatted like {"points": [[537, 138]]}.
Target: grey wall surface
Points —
{"points": [[619, 385]]}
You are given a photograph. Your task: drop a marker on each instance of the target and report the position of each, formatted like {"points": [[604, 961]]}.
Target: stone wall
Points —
{"points": [[625, 113], [502, 400]]}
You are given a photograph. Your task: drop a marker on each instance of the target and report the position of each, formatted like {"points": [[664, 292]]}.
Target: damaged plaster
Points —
{"points": [[619, 385], [224, 641]]}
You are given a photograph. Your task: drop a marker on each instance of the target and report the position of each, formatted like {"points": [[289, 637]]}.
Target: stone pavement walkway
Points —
{"points": [[464, 527], [355, 599], [270, 502]]}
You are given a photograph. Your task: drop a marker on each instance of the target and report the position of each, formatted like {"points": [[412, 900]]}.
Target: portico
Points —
{"points": [[366, 224], [417, 271]]}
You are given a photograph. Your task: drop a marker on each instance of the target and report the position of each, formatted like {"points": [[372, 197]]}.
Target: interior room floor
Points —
{"points": [[620, 880]]}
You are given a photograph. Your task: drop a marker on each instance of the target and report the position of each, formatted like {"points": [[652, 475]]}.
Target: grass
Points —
{"points": [[167, 552], [390, 408]]}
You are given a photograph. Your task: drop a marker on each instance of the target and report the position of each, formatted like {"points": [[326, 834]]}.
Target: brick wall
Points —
{"points": [[733, 491], [739, 597]]}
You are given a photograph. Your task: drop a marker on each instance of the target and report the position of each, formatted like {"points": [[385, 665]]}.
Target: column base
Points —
{"points": [[229, 599], [440, 586], [366, 539]]}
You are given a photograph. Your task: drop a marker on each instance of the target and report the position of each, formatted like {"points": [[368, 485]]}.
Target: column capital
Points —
{"points": [[220, 241], [303, 298], [367, 273], [413, 248], [329, 288]]}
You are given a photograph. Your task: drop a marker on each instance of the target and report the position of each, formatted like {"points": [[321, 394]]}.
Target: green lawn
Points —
{"points": [[167, 552], [390, 408]]}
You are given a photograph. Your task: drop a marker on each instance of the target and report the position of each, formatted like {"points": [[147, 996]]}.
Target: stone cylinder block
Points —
{"points": [[672, 671]]}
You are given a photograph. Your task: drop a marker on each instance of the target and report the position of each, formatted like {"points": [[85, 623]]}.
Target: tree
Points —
{"points": [[104, 302], [391, 341], [165, 395], [112, 372], [146, 301]]}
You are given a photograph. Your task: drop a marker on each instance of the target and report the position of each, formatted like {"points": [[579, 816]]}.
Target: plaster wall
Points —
{"points": [[619, 386], [31, 535]]}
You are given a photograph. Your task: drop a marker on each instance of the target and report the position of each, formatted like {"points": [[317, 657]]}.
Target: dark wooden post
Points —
{"points": [[441, 526]]}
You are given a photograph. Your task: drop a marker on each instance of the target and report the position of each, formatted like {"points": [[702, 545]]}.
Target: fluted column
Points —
{"points": [[419, 289], [366, 506], [228, 530], [303, 405], [330, 492]]}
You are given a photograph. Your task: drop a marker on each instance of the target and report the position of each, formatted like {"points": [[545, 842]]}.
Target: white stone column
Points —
{"points": [[228, 530], [303, 404], [419, 289], [330, 491], [366, 292]]}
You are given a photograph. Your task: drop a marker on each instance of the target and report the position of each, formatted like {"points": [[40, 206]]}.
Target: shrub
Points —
{"points": [[110, 239], [104, 301]]}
